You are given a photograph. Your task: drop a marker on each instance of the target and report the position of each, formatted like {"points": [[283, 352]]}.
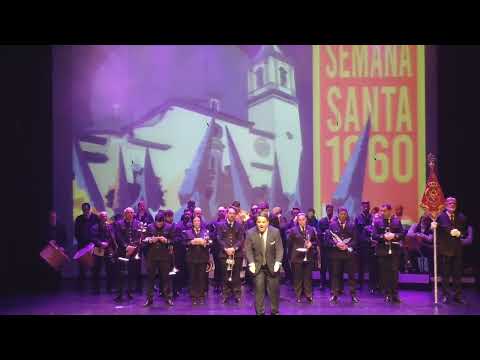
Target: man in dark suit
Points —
{"points": [[323, 225], [302, 236], [343, 250], [103, 236], [388, 232], [264, 252], [213, 229], [83, 223], [127, 233], [160, 236], [365, 252], [230, 237], [197, 242], [55, 232], [452, 227]]}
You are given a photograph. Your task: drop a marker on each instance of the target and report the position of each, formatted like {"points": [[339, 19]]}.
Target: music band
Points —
{"points": [[183, 255]]}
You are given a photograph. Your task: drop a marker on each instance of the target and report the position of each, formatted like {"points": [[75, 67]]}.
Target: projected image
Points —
{"points": [[166, 124], [292, 125], [370, 126]]}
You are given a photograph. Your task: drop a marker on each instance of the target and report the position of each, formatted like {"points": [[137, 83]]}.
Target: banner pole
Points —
{"points": [[435, 273]]}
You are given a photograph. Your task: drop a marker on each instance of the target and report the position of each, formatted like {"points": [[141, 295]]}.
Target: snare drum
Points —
{"points": [[85, 256], [54, 256]]}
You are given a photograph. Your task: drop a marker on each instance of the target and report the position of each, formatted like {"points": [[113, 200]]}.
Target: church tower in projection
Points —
{"points": [[273, 107]]}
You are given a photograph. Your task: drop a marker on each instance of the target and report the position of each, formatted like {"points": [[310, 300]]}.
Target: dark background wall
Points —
{"points": [[26, 93]]}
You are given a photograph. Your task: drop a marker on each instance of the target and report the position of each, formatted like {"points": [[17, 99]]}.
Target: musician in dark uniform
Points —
{"points": [[159, 236], [212, 228], [103, 236], [293, 217], [55, 232], [452, 230], [142, 214], [197, 243], [365, 252], [342, 238], [83, 223], [264, 252], [251, 222], [180, 279], [323, 225], [231, 237], [127, 233], [302, 236], [388, 232]]}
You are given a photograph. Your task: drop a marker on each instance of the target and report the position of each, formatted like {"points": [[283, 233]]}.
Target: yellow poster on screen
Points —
{"points": [[386, 85]]}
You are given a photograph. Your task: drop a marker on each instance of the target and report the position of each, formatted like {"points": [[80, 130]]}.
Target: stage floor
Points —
{"points": [[69, 302]]}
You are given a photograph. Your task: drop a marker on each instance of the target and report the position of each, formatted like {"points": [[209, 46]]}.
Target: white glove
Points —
{"points": [[455, 232], [276, 267], [433, 225], [251, 267], [389, 236]]}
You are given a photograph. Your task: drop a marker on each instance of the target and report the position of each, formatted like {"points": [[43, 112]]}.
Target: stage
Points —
{"points": [[71, 302]]}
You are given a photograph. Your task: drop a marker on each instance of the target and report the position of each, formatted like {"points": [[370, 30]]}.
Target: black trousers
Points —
{"points": [[389, 266], [287, 267], [302, 278], [197, 278], [138, 276], [324, 266], [233, 287], [163, 268], [373, 276], [180, 279], [82, 272], [363, 264], [217, 275], [451, 266], [126, 271], [264, 279], [99, 263], [338, 267]]}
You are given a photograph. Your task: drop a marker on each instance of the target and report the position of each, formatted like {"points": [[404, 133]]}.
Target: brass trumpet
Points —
{"points": [[208, 241], [230, 263]]}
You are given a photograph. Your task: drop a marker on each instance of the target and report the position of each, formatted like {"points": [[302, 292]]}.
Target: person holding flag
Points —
{"points": [[451, 226]]}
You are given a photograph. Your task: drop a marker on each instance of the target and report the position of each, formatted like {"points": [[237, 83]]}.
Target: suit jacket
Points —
{"points": [[196, 254], [449, 245], [349, 232], [160, 251], [254, 249], [103, 233], [238, 239], [363, 236], [380, 228], [126, 233], [323, 225], [82, 228], [296, 240], [145, 218]]}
